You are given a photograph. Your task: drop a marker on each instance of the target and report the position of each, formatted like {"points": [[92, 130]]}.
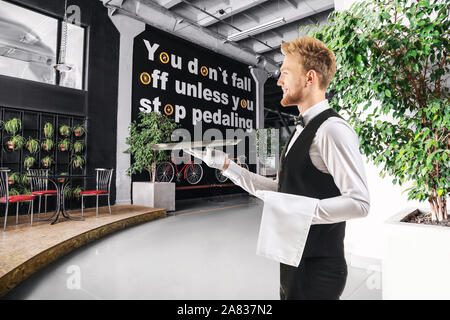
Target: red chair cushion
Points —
{"points": [[40, 193], [18, 198], [94, 192]]}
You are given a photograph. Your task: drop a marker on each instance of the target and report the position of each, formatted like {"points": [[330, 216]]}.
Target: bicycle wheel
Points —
{"points": [[219, 176], [164, 172], [194, 173]]}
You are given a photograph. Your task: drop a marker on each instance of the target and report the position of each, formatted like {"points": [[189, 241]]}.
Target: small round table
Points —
{"points": [[60, 181]]}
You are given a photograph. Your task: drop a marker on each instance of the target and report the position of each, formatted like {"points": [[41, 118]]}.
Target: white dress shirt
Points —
{"points": [[334, 150]]}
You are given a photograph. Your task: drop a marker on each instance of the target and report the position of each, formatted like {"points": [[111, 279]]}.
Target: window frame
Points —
{"points": [[60, 20]]}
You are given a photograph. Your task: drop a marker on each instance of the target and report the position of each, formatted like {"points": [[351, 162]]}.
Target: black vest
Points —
{"points": [[297, 175]]}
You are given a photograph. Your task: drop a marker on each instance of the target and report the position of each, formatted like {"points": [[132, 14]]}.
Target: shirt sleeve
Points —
{"points": [[249, 181], [339, 149]]}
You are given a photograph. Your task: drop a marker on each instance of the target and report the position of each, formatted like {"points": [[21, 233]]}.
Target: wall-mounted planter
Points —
{"points": [[29, 162], [78, 146], [47, 144], [79, 131], [13, 126], [15, 143], [64, 145], [64, 131], [48, 130], [32, 145], [47, 162]]}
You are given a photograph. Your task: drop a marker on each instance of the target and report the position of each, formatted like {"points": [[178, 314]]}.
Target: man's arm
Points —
{"points": [[247, 180], [339, 149]]}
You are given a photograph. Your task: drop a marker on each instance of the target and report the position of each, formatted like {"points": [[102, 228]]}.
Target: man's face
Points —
{"points": [[293, 81]]}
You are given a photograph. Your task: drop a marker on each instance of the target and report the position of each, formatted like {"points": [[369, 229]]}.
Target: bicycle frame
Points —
{"points": [[182, 169]]}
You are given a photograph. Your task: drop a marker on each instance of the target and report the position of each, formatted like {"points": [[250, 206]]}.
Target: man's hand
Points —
{"points": [[212, 157]]}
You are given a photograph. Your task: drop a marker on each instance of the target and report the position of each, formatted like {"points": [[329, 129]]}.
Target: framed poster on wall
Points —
{"points": [[210, 96]]}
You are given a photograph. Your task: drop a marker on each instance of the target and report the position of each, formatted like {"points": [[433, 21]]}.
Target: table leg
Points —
{"points": [[56, 210], [58, 201], [64, 212]]}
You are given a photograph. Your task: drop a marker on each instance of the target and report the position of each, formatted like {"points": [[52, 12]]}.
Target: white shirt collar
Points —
{"points": [[315, 110]]}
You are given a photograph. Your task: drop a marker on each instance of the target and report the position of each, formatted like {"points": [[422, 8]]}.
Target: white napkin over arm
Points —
{"points": [[285, 224]]}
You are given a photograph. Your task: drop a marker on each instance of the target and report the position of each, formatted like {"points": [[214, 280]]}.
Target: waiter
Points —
{"points": [[321, 182]]}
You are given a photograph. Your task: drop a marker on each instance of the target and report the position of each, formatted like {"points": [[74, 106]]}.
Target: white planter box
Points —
{"points": [[155, 195], [416, 260]]}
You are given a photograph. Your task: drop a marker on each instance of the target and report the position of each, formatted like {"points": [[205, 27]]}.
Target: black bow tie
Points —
{"points": [[299, 120]]}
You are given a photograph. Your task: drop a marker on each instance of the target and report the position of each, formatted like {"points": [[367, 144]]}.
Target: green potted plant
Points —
{"points": [[13, 126], [150, 128], [29, 162], [14, 192], [64, 145], [77, 161], [391, 62], [78, 146], [47, 161], [48, 130], [63, 179], [78, 130], [15, 143], [64, 130], [47, 144], [68, 192], [24, 180], [76, 192], [13, 178], [32, 145]]}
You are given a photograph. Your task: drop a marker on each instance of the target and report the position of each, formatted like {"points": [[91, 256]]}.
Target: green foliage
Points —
{"points": [[76, 192], [16, 142], [47, 162], [24, 180], [63, 174], [64, 130], [391, 62], [151, 128], [29, 162], [48, 130], [77, 161], [64, 145], [47, 144], [68, 193], [78, 146], [13, 126], [14, 178], [79, 131], [14, 192], [32, 145]]}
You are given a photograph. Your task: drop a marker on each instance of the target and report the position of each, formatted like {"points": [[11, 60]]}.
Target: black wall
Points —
{"points": [[98, 103]]}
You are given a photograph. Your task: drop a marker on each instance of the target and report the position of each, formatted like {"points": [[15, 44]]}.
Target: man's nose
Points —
{"points": [[279, 82]]}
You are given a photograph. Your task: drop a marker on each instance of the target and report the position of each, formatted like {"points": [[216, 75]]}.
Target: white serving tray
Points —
{"points": [[194, 144]]}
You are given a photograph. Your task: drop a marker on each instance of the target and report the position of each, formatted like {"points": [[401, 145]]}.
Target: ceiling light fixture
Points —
{"points": [[255, 30]]}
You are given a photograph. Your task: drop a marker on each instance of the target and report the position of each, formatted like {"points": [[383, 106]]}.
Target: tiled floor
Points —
{"points": [[204, 250]]}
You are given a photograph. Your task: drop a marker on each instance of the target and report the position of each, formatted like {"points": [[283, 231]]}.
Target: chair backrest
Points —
{"points": [[104, 177], [4, 187], [38, 179]]}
